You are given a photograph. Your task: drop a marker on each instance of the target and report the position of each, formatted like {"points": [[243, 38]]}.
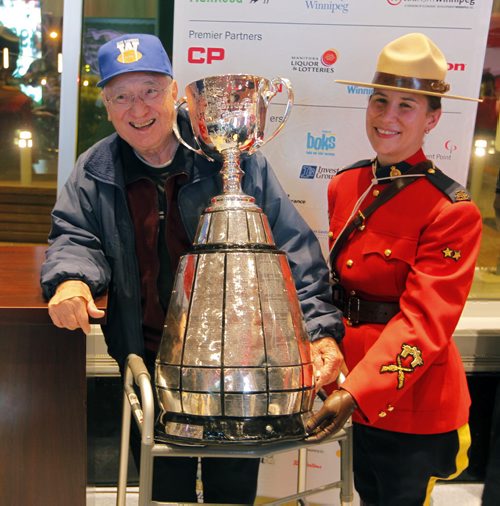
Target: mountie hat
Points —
{"points": [[411, 63], [137, 52]]}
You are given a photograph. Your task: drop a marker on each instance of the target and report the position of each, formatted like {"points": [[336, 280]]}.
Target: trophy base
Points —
{"points": [[202, 431]]}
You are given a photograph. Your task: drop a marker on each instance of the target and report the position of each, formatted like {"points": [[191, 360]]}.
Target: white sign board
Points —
{"points": [[314, 42]]}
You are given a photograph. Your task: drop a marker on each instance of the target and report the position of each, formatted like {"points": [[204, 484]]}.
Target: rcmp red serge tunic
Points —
{"points": [[418, 249]]}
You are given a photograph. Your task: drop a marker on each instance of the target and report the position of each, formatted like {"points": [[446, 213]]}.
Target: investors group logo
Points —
{"points": [[317, 64], [316, 172], [308, 171]]}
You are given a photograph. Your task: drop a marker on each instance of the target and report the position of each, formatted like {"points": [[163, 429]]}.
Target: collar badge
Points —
{"points": [[462, 196]]}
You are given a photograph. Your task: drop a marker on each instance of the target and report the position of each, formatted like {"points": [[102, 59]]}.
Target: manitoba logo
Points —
{"points": [[128, 51], [329, 57], [323, 63]]}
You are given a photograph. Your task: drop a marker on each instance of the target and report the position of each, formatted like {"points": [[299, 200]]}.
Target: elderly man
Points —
{"points": [[127, 213]]}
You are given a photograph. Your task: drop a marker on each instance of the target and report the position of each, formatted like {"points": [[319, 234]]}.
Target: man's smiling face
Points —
{"points": [[144, 123]]}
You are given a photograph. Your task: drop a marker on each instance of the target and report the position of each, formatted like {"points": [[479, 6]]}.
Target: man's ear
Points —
{"points": [[105, 102], [175, 89]]}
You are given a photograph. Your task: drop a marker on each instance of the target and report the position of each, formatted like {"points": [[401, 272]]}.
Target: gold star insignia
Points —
{"points": [[448, 253], [456, 255]]}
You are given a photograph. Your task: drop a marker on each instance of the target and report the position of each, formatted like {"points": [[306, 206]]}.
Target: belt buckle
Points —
{"points": [[352, 310]]}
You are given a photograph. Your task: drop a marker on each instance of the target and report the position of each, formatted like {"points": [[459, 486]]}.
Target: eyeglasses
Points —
{"points": [[126, 100]]}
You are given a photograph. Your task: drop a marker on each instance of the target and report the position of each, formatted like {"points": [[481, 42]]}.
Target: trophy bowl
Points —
{"points": [[228, 112]]}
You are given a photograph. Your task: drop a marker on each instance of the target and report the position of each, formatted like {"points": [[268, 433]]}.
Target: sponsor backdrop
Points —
{"points": [[312, 43]]}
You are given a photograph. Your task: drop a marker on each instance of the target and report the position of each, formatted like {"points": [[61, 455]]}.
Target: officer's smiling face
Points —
{"points": [[396, 123]]}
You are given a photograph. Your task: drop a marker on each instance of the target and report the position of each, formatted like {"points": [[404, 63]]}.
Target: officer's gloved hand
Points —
{"points": [[327, 359], [334, 413]]}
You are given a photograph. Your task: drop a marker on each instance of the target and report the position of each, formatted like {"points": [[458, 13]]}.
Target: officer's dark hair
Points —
{"points": [[434, 102]]}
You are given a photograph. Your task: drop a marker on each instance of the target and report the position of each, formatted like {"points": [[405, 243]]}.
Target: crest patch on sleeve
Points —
{"points": [[402, 367]]}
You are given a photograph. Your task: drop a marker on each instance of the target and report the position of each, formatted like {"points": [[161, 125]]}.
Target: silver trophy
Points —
{"points": [[234, 364]]}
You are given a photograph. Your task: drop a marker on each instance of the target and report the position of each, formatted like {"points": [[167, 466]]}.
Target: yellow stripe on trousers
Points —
{"points": [[462, 460]]}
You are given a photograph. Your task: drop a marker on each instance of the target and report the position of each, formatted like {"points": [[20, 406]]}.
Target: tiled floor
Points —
{"points": [[444, 495]]}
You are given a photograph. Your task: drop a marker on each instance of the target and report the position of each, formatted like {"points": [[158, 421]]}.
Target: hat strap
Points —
{"points": [[411, 83]]}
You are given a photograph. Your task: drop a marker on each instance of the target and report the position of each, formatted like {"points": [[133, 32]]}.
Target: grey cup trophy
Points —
{"points": [[234, 364]]}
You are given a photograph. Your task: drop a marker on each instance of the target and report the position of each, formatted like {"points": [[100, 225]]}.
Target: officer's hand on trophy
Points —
{"points": [[71, 306], [332, 416], [327, 360]]}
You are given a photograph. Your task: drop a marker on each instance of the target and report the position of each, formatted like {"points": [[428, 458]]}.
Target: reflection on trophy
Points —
{"points": [[234, 364]]}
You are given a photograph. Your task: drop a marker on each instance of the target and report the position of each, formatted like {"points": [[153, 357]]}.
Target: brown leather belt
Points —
{"points": [[358, 310]]}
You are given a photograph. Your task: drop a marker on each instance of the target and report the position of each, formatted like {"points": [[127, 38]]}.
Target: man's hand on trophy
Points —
{"points": [[327, 360], [332, 416]]}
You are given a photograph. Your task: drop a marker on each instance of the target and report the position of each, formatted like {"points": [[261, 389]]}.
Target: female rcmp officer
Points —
{"points": [[403, 275]]}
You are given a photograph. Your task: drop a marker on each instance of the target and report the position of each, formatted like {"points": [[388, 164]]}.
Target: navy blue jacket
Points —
{"points": [[92, 239]]}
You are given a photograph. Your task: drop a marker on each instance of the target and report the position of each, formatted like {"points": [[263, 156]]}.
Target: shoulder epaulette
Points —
{"points": [[356, 165], [453, 190]]}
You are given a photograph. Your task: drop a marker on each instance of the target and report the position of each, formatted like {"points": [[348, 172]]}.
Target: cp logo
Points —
{"points": [[205, 54]]}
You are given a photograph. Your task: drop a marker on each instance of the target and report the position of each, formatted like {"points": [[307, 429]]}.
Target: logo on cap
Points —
{"points": [[128, 51]]}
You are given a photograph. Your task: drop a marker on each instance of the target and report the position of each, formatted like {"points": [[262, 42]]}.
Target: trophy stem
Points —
{"points": [[231, 172]]}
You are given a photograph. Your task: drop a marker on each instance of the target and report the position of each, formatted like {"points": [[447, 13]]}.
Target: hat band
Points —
{"points": [[410, 83]]}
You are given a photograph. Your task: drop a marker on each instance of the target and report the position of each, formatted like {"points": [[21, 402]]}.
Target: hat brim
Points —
{"points": [[418, 92], [103, 82]]}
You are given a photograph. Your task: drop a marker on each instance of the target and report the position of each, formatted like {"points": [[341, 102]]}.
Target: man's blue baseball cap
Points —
{"points": [[137, 52]]}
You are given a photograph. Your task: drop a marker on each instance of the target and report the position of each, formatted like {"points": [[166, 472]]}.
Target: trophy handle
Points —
{"points": [[268, 96], [177, 132]]}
